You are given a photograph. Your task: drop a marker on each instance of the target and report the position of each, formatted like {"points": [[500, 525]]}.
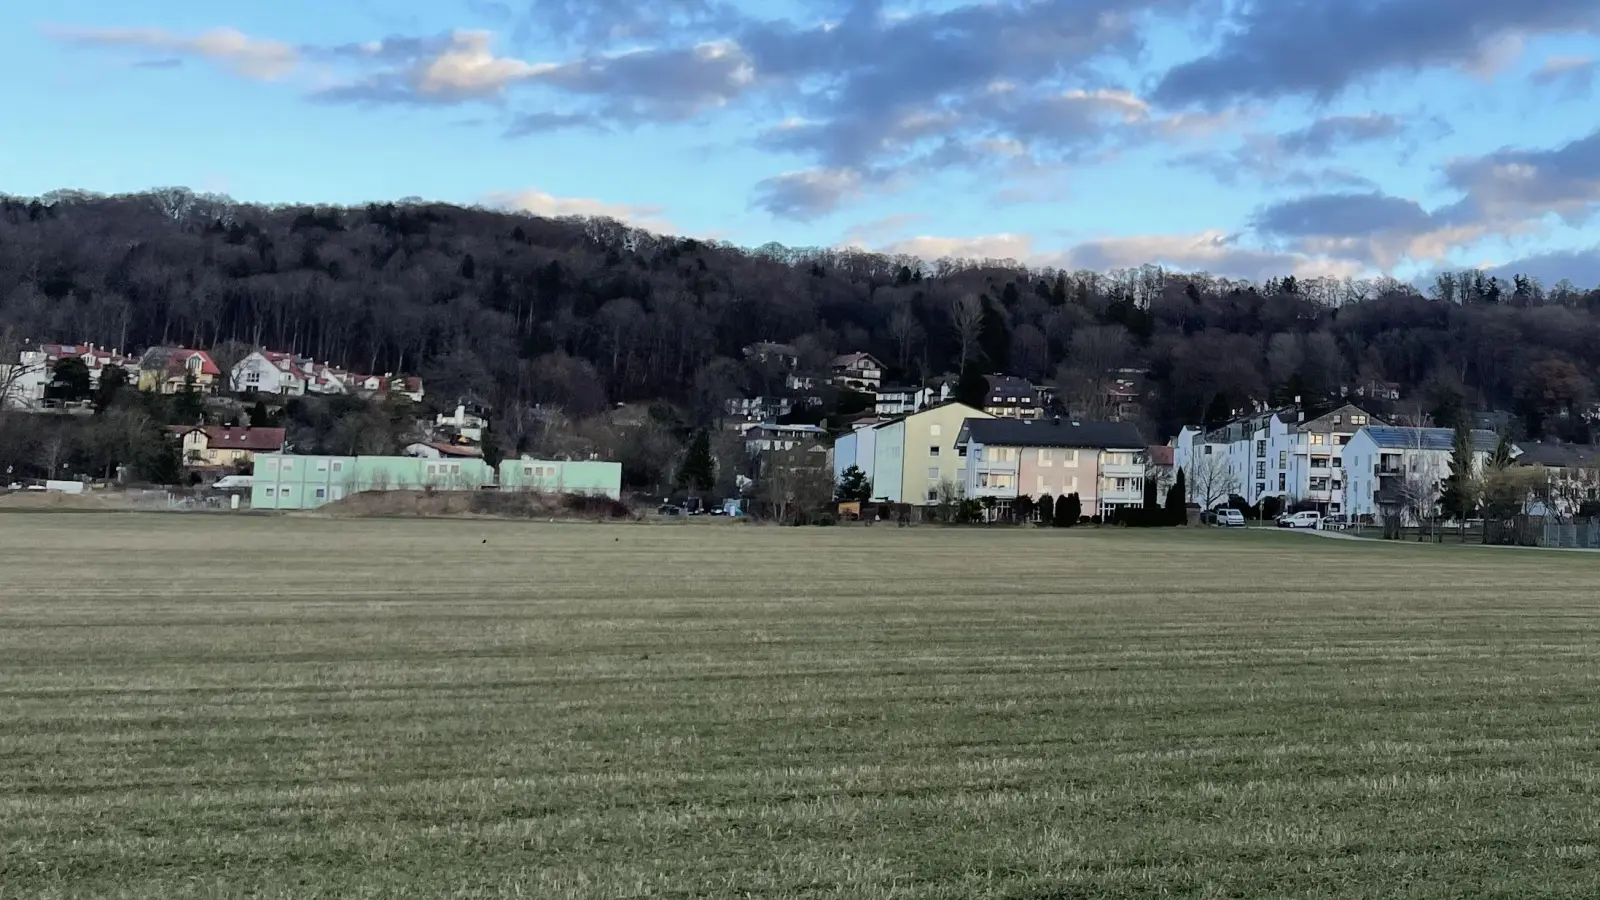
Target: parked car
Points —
{"points": [[234, 483], [1306, 519], [1340, 522], [1230, 518]]}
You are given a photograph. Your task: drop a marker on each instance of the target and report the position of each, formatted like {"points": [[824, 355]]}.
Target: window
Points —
{"points": [[1338, 462], [527, 470], [1319, 484], [1338, 420], [1208, 450], [933, 472], [1070, 457], [271, 492], [272, 465], [933, 452], [338, 465], [1344, 439], [996, 480], [1046, 457], [935, 429], [288, 465], [322, 465], [933, 494], [322, 493], [1261, 449], [1281, 484], [961, 452], [1039, 486], [1122, 484], [433, 470], [1072, 485], [1283, 459], [1318, 440], [1358, 420], [1261, 470]]}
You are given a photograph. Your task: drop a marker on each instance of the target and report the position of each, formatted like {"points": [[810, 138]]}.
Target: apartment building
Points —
{"points": [[1102, 462], [1278, 453]]}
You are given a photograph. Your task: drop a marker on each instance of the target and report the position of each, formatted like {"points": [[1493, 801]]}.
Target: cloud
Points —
{"points": [[1581, 267], [1217, 252], [1572, 75], [543, 122], [540, 203], [807, 194], [460, 66], [1511, 185], [1326, 135], [1343, 216], [598, 22], [245, 56], [1318, 48]]}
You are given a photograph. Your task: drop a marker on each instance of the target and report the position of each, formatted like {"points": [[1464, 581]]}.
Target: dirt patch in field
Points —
{"points": [[476, 504]]}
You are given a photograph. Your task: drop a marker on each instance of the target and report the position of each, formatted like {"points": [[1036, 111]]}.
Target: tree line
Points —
{"points": [[578, 315]]}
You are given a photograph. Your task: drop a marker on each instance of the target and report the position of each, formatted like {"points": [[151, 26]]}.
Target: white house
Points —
{"points": [[1404, 466], [860, 371], [268, 372], [757, 409], [22, 384], [469, 424], [772, 436]]}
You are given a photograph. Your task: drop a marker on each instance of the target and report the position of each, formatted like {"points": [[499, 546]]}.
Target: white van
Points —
{"points": [[1230, 518], [1302, 520], [234, 483]]}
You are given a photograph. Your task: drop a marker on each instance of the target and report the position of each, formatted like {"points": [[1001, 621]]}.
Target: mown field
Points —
{"points": [[232, 706]]}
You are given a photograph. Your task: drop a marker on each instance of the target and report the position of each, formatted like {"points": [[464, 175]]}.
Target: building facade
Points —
{"points": [[1404, 467], [915, 454], [1275, 453], [284, 481], [553, 476], [1101, 462]]}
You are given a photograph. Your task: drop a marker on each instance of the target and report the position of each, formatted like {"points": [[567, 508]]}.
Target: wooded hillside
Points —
{"points": [[518, 310]]}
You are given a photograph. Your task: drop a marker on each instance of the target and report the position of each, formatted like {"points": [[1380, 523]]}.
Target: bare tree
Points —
{"points": [[1210, 478], [795, 481], [966, 317], [12, 370]]}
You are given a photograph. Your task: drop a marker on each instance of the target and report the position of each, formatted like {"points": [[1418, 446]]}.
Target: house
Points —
{"points": [[168, 370], [856, 448], [216, 447], [285, 481], [23, 383], [1010, 397], [443, 450], [1123, 393], [914, 457], [770, 436], [1102, 462], [468, 421], [1572, 472], [589, 477], [1372, 389], [268, 372], [1276, 453], [898, 401], [756, 409], [782, 355], [382, 386], [1386, 466], [857, 371]]}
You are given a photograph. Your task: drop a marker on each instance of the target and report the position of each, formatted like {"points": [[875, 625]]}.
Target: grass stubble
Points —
{"points": [[206, 706]]}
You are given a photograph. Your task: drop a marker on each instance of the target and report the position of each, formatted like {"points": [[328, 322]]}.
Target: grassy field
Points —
{"points": [[214, 706]]}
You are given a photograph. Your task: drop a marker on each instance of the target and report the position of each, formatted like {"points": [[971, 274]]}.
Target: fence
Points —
{"points": [[1576, 535]]}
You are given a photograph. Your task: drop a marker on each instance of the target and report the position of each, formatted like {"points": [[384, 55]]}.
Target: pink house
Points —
{"points": [[1101, 462]]}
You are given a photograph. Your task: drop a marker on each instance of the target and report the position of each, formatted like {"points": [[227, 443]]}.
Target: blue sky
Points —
{"points": [[1242, 137]]}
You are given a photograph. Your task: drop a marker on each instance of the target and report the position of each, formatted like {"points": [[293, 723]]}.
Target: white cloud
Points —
{"points": [[247, 57], [468, 67], [540, 203]]}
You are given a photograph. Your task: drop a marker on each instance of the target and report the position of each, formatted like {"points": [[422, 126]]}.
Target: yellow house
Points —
{"points": [[168, 369], [915, 455], [213, 447]]}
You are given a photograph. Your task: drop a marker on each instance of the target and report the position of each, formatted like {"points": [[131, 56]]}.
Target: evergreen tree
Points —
{"points": [[853, 486], [1177, 508], [69, 381], [490, 445], [1022, 509], [1060, 517], [259, 417], [972, 388], [188, 406], [994, 337], [1047, 510], [1074, 507], [699, 470], [1150, 515], [112, 381], [1500, 460], [1459, 498]]}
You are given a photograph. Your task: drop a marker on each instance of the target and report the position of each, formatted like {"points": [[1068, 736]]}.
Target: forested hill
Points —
{"points": [[516, 309]]}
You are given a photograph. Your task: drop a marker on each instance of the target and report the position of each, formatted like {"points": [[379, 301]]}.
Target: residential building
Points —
{"points": [[1162, 466], [899, 401], [1384, 465], [468, 421], [168, 370], [268, 372], [858, 371], [25, 383], [856, 448], [305, 482], [382, 386], [1102, 462], [913, 455], [770, 436], [216, 447], [1278, 453], [1014, 398], [756, 409], [1573, 473], [783, 355], [1123, 393], [554, 476]]}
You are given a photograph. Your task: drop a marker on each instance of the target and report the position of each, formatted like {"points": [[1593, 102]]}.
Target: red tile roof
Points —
{"points": [[219, 438], [1161, 455]]}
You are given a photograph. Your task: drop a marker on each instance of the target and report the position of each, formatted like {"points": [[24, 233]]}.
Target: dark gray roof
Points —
{"points": [[1429, 439], [1559, 456], [1053, 433]]}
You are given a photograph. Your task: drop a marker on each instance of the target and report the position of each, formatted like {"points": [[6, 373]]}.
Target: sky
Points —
{"points": [[1246, 138]]}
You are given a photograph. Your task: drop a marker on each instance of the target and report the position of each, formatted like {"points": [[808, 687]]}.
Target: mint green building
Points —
{"points": [[284, 481], [555, 476]]}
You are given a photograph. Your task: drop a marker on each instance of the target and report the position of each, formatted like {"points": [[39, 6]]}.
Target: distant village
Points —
{"points": [[914, 452]]}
